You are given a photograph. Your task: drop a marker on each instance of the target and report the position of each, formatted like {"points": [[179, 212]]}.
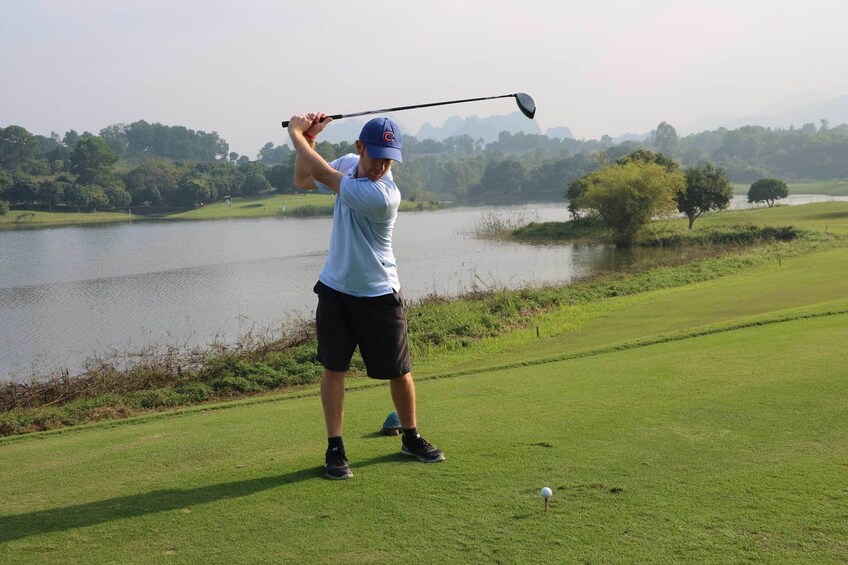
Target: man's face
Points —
{"points": [[374, 169]]}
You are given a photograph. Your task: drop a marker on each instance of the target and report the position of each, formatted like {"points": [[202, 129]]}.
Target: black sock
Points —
{"points": [[335, 443], [410, 433]]}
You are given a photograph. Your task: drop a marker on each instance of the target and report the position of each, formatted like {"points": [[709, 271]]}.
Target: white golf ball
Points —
{"points": [[546, 493]]}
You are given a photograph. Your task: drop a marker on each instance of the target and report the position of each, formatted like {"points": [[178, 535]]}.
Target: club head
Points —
{"points": [[526, 104]]}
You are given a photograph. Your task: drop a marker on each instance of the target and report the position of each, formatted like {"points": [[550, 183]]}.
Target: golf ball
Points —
{"points": [[546, 492]]}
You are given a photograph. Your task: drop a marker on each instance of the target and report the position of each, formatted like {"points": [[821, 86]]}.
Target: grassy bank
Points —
{"points": [[835, 187], [263, 206], [678, 418], [725, 226]]}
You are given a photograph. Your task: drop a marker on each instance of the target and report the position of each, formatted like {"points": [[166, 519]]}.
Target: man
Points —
{"points": [[359, 300]]}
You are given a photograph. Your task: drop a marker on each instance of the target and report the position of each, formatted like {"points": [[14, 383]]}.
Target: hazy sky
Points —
{"points": [[240, 67]]}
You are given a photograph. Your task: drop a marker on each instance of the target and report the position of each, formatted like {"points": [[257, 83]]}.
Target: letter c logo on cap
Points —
{"points": [[388, 137]]}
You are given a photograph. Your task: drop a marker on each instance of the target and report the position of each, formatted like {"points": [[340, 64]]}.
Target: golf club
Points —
{"points": [[525, 104]]}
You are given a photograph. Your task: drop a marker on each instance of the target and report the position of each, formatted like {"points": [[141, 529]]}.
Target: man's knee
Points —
{"points": [[334, 375]]}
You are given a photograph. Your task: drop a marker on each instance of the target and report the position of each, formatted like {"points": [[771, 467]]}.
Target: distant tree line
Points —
{"points": [[142, 164]]}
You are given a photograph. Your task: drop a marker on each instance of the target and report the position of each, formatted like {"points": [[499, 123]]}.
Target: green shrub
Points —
{"points": [[230, 374], [581, 228], [4, 207], [230, 384], [157, 398], [193, 391], [309, 211], [14, 422], [728, 235], [80, 408]]}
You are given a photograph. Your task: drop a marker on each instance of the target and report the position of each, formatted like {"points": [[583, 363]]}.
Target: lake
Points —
{"points": [[72, 292]]}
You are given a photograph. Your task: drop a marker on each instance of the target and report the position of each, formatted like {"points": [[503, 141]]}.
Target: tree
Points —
{"points": [[646, 156], [254, 178], [665, 138], [115, 137], [6, 182], [50, 192], [578, 186], [74, 196], [768, 190], [193, 190], [459, 175], [576, 189], [153, 181], [70, 139], [117, 195], [281, 177], [707, 188], [503, 176], [18, 148], [4, 207], [273, 155], [95, 197], [24, 190], [626, 197], [91, 160], [85, 196]]}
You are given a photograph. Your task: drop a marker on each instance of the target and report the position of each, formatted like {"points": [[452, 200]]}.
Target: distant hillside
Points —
{"points": [[780, 115], [560, 132], [476, 127]]}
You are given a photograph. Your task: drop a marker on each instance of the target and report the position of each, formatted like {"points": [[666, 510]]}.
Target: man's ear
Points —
{"points": [[359, 147]]}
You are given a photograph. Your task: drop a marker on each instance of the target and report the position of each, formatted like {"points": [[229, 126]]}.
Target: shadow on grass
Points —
{"points": [[19, 526]]}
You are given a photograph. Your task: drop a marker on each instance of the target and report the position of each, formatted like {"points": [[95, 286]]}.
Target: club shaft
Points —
{"points": [[399, 108]]}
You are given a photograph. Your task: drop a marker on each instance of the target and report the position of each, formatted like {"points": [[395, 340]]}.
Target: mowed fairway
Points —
{"points": [[724, 444], [722, 448]]}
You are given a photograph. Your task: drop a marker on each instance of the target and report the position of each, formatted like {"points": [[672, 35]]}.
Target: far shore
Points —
{"points": [[262, 206]]}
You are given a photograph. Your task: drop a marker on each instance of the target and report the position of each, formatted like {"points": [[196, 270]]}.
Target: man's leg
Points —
{"points": [[403, 395], [332, 399]]}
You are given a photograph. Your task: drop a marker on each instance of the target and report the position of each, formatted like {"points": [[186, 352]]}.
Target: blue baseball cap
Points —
{"points": [[382, 139]]}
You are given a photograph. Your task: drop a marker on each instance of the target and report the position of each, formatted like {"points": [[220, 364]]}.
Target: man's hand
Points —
{"points": [[299, 124], [320, 120], [310, 124], [309, 166]]}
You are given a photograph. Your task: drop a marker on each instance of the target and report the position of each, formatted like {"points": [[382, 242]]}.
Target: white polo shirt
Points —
{"points": [[361, 261]]}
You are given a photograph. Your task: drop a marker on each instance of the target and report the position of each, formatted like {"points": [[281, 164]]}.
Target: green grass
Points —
{"points": [[269, 205], [258, 206], [702, 423], [722, 448], [823, 216], [25, 218]]}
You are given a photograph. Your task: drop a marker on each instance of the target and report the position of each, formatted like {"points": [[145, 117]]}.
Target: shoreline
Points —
{"points": [[442, 332]]}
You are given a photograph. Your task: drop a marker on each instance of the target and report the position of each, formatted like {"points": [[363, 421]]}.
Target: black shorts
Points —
{"points": [[377, 325]]}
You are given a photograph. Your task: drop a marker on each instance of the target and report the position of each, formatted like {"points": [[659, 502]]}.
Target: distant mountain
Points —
{"points": [[343, 130], [631, 137], [476, 127], [560, 132], [781, 114], [799, 99]]}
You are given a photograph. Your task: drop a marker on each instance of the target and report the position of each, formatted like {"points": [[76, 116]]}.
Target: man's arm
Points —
{"points": [[309, 166]]}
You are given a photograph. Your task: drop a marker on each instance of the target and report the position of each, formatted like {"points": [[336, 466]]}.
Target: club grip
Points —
{"points": [[335, 117]]}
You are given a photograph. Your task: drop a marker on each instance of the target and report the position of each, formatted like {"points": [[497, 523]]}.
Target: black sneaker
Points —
{"points": [[422, 449], [335, 465]]}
